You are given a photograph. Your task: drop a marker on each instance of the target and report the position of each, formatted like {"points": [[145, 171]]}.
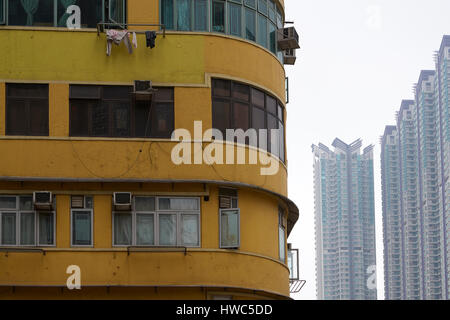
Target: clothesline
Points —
{"points": [[101, 27]]}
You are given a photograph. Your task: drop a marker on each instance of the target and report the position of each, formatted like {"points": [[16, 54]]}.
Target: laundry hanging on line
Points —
{"points": [[117, 36]]}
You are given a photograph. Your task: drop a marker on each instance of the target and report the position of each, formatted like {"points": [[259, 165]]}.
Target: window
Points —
{"points": [[254, 20], [2, 11], [218, 16], [111, 111], [239, 106], [235, 19], [229, 228], [82, 222], [281, 234], [53, 13], [27, 109], [21, 225], [250, 24], [229, 218], [159, 221], [184, 15], [201, 15]]}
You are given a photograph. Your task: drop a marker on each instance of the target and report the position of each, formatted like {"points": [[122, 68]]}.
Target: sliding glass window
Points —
{"points": [[159, 221], [240, 106], [254, 20], [21, 225]]}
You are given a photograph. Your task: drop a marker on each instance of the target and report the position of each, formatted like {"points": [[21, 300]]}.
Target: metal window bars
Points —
{"points": [[101, 27]]}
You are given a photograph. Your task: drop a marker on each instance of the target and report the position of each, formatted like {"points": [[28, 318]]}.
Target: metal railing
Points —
{"points": [[124, 26]]}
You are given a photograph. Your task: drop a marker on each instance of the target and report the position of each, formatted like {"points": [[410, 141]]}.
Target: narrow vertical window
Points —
{"points": [[167, 14], [281, 235], [201, 15], [81, 227], [272, 38], [122, 229], [189, 226], [46, 230], [8, 228], [218, 16], [167, 229], [145, 226], [262, 30], [27, 228], [183, 15], [235, 19], [229, 228], [250, 24], [229, 215], [2, 11]]}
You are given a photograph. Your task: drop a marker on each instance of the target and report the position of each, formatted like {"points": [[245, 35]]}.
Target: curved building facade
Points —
{"points": [[109, 176]]}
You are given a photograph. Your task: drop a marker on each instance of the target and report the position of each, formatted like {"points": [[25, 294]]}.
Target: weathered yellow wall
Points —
{"points": [[245, 61], [58, 110], [254, 265], [102, 221], [63, 221], [143, 12], [177, 59], [145, 269], [185, 61], [112, 159], [193, 104], [2, 108]]}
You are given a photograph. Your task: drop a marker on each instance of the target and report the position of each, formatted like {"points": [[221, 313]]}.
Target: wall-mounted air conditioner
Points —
{"points": [[287, 38], [122, 201], [289, 56], [43, 200], [143, 90]]}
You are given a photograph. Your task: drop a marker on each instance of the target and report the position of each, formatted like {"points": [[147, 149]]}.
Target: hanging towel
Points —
{"points": [[150, 37]]}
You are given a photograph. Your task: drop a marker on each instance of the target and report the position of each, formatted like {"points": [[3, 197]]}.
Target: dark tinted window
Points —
{"points": [[53, 13], [239, 106], [27, 109], [31, 13], [112, 111]]}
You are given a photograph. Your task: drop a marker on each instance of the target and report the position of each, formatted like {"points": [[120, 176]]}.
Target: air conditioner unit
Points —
{"points": [[287, 38], [122, 201], [143, 90], [43, 200], [289, 56]]}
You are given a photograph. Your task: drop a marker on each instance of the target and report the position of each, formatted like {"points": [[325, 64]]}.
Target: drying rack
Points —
{"points": [[101, 27]]}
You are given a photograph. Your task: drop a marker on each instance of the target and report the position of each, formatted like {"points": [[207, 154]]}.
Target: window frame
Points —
{"points": [[221, 246], [132, 104], [156, 230], [28, 101], [231, 100], [91, 212], [18, 213], [282, 226], [273, 16], [4, 11], [106, 12]]}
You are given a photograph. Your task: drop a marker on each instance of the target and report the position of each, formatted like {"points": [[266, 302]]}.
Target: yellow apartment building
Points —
{"points": [[90, 95]]}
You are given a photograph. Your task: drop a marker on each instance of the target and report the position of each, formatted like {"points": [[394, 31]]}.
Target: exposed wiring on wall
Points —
{"points": [[135, 161]]}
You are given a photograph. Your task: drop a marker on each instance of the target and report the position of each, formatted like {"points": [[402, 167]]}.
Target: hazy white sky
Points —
{"points": [[359, 59]]}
